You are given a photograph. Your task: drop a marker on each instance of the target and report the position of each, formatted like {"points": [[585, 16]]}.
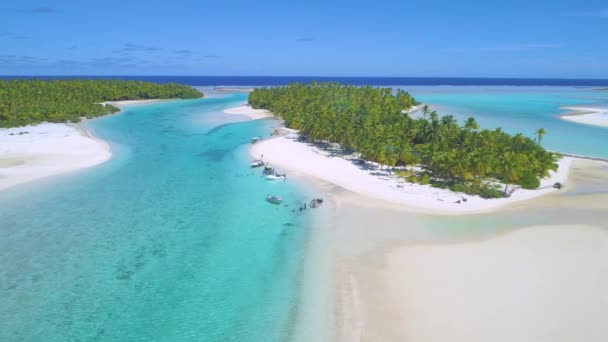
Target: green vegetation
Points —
{"points": [[371, 121], [24, 102]]}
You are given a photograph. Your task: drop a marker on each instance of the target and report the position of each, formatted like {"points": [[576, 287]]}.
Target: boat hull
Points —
{"points": [[257, 164], [274, 199], [273, 178]]}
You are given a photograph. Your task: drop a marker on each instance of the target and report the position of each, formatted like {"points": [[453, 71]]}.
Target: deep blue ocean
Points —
{"points": [[375, 81]]}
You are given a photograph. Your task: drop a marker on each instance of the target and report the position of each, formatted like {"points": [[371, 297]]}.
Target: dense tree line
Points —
{"points": [[373, 122], [24, 102]]}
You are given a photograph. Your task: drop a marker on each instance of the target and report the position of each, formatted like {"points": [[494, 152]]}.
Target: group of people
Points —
{"points": [[315, 203], [269, 170], [464, 199]]}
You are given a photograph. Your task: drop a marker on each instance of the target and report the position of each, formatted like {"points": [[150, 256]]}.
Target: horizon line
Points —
{"points": [[300, 76]]}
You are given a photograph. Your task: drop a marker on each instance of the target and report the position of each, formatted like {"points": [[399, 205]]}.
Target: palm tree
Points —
{"points": [[540, 133], [370, 121], [426, 109], [447, 120], [471, 124]]}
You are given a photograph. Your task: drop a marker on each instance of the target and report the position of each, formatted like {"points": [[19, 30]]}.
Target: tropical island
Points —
{"points": [[26, 102], [431, 150], [38, 137]]}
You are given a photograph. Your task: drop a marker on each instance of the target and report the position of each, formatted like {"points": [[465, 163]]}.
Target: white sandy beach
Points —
{"points": [[234, 89], [288, 153], [47, 149], [246, 110], [134, 102], [587, 115], [414, 109], [544, 283], [50, 149]]}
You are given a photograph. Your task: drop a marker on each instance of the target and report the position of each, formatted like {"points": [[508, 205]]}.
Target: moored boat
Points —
{"points": [[276, 177], [274, 199], [268, 170], [257, 163], [255, 139]]}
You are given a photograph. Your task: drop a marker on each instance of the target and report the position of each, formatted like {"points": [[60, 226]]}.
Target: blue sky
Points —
{"points": [[557, 39]]}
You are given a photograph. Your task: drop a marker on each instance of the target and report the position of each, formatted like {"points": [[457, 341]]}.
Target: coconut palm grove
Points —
{"points": [[25, 102], [434, 149]]}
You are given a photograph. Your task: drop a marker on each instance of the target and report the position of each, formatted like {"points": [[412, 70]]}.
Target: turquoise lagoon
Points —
{"points": [[525, 109], [171, 240]]}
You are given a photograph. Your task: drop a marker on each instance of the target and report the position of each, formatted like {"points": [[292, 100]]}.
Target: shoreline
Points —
{"points": [[50, 149], [287, 152], [247, 111], [593, 116], [134, 102], [225, 89], [303, 158], [395, 278], [400, 275]]}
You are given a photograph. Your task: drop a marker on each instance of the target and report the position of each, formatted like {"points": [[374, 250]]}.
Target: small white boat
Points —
{"points": [[257, 163], [276, 177], [274, 199], [255, 139]]}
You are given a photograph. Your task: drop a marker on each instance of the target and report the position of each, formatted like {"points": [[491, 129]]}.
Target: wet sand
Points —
{"points": [[535, 271]]}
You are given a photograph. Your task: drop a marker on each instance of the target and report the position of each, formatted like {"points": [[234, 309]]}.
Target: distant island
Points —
{"points": [[430, 150], [26, 102]]}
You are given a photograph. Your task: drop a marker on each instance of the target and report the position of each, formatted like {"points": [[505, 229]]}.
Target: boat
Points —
{"points": [[268, 170], [257, 163], [315, 203], [274, 199], [255, 139], [276, 177]]}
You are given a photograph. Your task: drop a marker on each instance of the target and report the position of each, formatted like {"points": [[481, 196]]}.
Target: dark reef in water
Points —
{"points": [[215, 155]]}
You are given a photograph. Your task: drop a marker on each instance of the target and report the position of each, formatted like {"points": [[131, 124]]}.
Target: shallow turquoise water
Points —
{"points": [[169, 241], [525, 109]]}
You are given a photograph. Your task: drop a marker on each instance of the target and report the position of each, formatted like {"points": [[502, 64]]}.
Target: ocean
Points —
{"points": [[374, 81]]}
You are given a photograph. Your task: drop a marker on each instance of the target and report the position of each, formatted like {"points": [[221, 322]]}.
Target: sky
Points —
{"points": [[530, 39]]}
